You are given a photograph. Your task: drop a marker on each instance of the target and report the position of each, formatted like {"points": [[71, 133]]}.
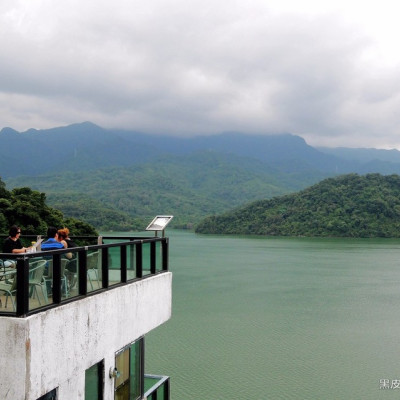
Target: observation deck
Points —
{"points": [[73, 321]]}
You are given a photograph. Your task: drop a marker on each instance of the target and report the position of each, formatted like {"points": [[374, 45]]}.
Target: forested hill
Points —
{"points": [[188, 187], [28, 209], [345, 206]]}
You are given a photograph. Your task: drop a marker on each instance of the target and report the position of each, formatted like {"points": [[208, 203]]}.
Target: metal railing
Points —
{"points": [[157, 387], [98, 268]]}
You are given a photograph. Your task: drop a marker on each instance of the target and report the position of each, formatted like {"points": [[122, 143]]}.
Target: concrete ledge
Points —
{"points": [[54, 348]]}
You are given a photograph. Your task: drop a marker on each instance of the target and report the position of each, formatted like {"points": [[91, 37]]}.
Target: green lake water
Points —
{"points": [[280, 318]]}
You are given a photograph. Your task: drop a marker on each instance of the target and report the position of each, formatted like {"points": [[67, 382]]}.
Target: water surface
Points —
{"points": [[280, 318]]}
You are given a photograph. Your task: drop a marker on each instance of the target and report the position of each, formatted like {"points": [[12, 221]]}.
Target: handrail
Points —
{"points": [[162, 382], [132, 246]]}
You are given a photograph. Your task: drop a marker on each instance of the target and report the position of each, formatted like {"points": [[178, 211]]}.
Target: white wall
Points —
{"points": [[54, 348]]}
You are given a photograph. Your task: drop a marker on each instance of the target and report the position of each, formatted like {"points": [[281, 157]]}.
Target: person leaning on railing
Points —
{"points": [[72, 266], [52, 242], [63, 235]]}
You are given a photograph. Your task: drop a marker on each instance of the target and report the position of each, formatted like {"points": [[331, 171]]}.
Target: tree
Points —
{"points": [[27, 208]]}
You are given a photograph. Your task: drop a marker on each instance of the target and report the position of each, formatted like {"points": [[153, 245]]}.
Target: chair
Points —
{"points": [[9, 286], [92, 264], [71, 273], [36, 278], [49, 276], [64, 263], [8, 265]]}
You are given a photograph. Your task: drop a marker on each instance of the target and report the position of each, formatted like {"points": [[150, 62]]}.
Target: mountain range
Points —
{"points": [[92, 172]]}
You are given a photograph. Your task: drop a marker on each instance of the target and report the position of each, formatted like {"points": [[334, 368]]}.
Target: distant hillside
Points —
{"points": [[119, 179], [345, 206], [363, 155], [74, 148], [188, 187]]}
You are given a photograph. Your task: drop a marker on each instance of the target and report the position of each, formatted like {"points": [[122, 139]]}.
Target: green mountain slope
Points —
{"points": [[345, 206], [188, 187], [118, 180]]}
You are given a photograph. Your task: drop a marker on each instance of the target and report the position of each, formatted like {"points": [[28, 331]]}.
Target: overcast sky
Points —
{"points": [[325, 70]]}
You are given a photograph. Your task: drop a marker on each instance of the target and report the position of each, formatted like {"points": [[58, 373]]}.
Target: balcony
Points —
{"points": [[43, 280]]}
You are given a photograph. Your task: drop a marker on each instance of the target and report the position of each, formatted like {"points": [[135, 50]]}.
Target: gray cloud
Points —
{"points": [[196, 68]]}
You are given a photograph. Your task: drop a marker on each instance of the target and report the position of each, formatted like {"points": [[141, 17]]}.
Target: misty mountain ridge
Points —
{"points": [[88, 146]]}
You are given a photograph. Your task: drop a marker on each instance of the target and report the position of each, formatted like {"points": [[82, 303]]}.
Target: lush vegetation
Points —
{"points": [[344, 206], [119, 180], [27, 208], [188, 187]]}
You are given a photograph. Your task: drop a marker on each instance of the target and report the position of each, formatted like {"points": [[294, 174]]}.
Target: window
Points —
{"points": [[94, 381], [130, 379]]}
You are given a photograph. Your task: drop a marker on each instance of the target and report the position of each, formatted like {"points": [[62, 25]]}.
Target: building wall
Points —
{"points": [[54, 348]]}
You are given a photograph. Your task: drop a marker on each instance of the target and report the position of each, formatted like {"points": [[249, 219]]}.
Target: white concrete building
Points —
{"points": [[87, 344]]}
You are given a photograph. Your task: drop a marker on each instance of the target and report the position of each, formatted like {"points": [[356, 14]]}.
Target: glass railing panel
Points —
{"points": [[8, 285], [39, 284], [93, 267], [114, 257], [146, 259], [114, 265], [130, 262], [70, 276], [158, 256]]}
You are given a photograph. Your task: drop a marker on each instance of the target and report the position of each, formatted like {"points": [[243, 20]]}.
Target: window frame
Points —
{"points": [[100, 380], [138, 374]]}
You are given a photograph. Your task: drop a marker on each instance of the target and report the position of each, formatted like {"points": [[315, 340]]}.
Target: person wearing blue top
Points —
{"points": [[52, 242]]}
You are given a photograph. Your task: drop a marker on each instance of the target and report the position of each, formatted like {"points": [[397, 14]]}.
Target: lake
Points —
{"points": [[280, 318]]}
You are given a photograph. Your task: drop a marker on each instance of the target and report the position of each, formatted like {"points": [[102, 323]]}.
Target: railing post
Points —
{"points": [[22, 297], [104, 267], [166, 390], [153, 258], [123, 260], [131, 257], [56, 278], [139, 259], [164, 247], [82, 272]]}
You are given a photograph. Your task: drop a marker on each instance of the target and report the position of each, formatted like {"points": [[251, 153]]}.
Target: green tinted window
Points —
{"points": [[128, 383], [94, 382]]}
